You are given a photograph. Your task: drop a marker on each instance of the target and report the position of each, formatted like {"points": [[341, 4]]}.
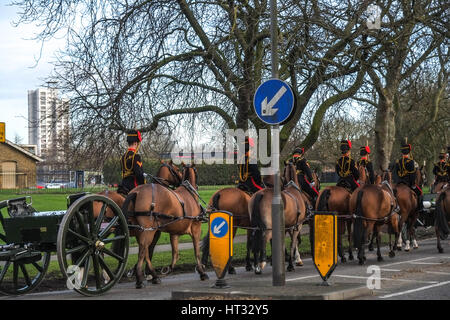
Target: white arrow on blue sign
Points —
{"points": [[274, 101]]}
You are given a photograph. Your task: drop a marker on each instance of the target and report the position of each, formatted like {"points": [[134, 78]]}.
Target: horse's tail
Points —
{"points": [[322, 204], [358, 228], [215, 201], [257, 224], [440, 218], [131, 197]]}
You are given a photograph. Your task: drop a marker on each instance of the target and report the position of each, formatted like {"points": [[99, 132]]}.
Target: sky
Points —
{"points": [[19, 71]]}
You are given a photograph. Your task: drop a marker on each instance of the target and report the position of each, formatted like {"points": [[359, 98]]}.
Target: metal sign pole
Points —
{"points": [[278, 273]]}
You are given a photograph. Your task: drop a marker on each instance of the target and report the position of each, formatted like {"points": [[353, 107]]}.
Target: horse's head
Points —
{"points": [[190, 174], [386, 175], [169, 173], [362, 174], [420, 176], [290, 173]]}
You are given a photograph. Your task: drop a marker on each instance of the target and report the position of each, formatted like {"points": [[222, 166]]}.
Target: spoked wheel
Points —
{"points": [[92, 245], [21, 269]]}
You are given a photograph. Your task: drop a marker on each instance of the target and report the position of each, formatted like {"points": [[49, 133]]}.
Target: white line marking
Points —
{"points": [[421, 259], [390, 270], [437, 272], [301, 278], [434, 263], [388, 279], [415, 290]]}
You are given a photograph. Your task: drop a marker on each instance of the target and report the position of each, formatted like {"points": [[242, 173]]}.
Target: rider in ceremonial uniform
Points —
{"points": [[364, 152], [405, 170], [346, 168], [304, 173], [131, 163], [249, 175], [441, 169]]}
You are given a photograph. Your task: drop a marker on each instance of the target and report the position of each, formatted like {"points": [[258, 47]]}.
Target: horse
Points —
{"points": [[442, 217], [337, 199], [363, 175], [436, 188], [408, 203], [167, 175], [233, 200], [373, 206], [260, 207], [177, 212]]}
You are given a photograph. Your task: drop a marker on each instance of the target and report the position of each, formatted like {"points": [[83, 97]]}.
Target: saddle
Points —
{"points": [[345, 184]]}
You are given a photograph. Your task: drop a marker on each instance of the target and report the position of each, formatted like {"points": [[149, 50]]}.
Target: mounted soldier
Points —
{"points": [[364, 161], [346, 168], [249, 176], [405, 171], [304, 173], [441, 169], [131, 163]]}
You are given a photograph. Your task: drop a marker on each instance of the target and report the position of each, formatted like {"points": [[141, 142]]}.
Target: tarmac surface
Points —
{"points": [[422, 273]]}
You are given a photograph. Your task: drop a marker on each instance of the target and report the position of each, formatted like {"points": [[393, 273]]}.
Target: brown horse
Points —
{"points": [[337, 199], [177, 212], [373, 206], [294, 210], [168, 174], [363, 175], [233, 200], [439, 186], [442, 217]]}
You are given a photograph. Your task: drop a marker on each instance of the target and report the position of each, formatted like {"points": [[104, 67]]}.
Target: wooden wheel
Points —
{"points": [[91, 227], [21, 269]]}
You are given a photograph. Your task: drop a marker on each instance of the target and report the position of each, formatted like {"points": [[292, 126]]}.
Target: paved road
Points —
{"points": [[420, 274]]}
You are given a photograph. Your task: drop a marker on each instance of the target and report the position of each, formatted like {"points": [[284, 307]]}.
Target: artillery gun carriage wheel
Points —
{"points": [[89, 234], [22, 267]]}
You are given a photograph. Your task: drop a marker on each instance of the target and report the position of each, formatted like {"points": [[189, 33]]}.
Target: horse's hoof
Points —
{"points": [[364, 258], [232, 270], [290, 268], [140, 285], [166, 270], [299, 264], [441, 250], [149, 277], [392, 254], [156, 280], [370, 248], [380, 258], [204, 277], [361, 262], [343, 260], [248, 268], [406, 250], [351, 258], [258, 270]]}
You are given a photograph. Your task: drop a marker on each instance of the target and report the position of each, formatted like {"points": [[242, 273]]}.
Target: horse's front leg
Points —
{"points": [[349, 237], [196, 233], [248, 264]]}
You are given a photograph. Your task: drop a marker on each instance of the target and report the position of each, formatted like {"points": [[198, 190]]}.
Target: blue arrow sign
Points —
{"points": [[219, 227], [274, 101]]}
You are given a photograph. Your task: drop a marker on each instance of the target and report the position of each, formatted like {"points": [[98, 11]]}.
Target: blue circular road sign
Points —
{"points": [[274, 101], [219, 227]]}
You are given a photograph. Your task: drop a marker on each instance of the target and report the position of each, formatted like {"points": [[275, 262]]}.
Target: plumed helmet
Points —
{"points": [[364, 150], [346, 145], [134, 136], [406, 148], [298, 151]]}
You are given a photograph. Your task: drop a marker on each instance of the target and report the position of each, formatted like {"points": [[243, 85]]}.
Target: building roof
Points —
{"points": [[25, 152]]}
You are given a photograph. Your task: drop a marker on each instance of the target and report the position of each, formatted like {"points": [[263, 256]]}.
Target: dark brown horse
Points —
{"points": [[442, 217], [233, 200], [177, 212], [294, 210], [168, 175], [337, 199], [373, 206]]}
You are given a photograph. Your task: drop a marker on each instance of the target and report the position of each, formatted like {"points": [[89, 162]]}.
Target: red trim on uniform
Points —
{"points": [[131, 149], [135, 182], [356, 182], [421, 192], [256, 185], [304, 177]]}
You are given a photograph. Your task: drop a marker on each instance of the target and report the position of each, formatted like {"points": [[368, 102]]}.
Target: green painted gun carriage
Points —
{"points": [[90, 239]]}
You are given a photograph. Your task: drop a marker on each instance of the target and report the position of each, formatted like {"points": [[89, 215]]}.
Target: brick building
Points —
{"points": [[17, 166]]}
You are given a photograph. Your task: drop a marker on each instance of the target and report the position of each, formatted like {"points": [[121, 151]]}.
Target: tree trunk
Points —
{"points": [[384, 131]]}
